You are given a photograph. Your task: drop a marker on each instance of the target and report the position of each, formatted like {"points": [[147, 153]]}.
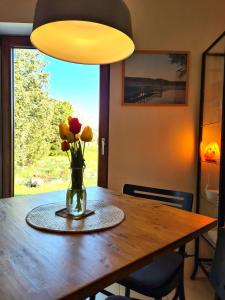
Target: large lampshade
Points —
{"points": [[83, 31]]}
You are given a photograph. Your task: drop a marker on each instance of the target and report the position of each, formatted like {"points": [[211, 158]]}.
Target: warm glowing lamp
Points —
{"points": [[212, 152], [83, 31]]}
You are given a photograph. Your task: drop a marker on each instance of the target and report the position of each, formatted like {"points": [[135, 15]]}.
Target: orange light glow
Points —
{"points": [[212, 152]]}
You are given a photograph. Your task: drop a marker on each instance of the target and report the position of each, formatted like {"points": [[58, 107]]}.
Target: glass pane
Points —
{"points": [[46, 92], [213, 92], [211, 131]]}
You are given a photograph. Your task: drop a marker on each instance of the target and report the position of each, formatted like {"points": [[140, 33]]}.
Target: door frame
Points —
{"points": [[103, 133], [7, 117]]}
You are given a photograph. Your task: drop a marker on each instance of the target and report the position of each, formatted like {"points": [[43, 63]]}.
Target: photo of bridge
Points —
{"points": [[147, 90], [155, 78]]}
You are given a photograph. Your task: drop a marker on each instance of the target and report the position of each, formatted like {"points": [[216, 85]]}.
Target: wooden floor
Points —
{"points": [[199, 289]]}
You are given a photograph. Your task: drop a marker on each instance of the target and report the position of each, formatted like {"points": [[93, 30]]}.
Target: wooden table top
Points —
{"points": [[41, 265]]}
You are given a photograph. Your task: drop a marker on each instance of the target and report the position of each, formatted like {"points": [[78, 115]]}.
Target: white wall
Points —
{"points": [[156, 146], [18, 11]]}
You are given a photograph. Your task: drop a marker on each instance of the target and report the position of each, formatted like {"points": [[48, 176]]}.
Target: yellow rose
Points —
{"points": [[87, 134], [63, 129]]}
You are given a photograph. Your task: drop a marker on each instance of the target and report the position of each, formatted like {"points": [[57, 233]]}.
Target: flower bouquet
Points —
{"points": [[74, 145]]}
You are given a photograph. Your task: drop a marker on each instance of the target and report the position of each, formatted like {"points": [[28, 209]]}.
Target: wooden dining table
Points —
{"points": [[35, 264]]}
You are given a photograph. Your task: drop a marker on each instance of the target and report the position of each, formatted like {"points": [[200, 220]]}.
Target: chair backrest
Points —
{"points": [[217, 275], [181, 200]]}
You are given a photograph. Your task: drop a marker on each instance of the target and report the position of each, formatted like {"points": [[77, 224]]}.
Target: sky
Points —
{"points": [[79, 84], [151, 65]]}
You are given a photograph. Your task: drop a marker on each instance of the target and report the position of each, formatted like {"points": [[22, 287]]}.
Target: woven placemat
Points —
{"points": [[44, 218]]}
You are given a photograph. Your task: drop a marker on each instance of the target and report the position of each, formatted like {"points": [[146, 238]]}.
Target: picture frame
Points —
{"points": [[156, 78]]}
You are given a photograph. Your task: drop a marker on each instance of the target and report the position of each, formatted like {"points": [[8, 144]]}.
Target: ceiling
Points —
{"points": [[17, 11], [16, 17], [7, 28]]}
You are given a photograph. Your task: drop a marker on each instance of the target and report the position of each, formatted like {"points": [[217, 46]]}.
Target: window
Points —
{"points": [[11, 49]]}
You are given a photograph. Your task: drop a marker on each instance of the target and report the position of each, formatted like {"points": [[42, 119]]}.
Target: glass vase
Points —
{"points": [[76, 194]]}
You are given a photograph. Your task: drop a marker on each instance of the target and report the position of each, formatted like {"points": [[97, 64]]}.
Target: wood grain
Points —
{"points": [[40, 265]]}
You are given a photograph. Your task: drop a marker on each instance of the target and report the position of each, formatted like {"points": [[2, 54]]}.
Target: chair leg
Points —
{"points": [[181, 291], [127, 292], [196, 260]]}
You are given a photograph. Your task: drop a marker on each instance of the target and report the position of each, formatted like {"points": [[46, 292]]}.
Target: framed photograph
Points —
{"points": [[155, 78]]}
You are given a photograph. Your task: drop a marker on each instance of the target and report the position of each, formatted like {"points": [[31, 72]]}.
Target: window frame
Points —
{"points": [[1, 150], [8, 43]]}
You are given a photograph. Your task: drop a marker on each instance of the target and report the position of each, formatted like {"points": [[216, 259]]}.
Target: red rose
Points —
{"points": [[74, 125], [65, 146]]}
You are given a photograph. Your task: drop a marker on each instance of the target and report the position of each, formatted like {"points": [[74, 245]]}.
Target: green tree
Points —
{"points": [[62, 110], [32, 108], [36, 115], [181, 61]]}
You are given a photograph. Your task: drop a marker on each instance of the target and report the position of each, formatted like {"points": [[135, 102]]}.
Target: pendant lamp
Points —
{"points": [[83, 31]]}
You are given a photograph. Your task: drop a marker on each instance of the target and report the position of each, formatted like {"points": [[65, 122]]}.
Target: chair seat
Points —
{"points": [[158, 278]]}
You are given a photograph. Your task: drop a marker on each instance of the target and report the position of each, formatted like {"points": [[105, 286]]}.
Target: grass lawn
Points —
{"points": [[54, 173]]}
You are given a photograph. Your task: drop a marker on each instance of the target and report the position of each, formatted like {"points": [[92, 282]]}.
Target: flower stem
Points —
{"points": [[84, 148], [68, 155], [74, 142]]}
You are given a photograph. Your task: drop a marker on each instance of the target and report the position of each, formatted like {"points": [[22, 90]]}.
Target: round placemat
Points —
{"points": [[43, 217]]}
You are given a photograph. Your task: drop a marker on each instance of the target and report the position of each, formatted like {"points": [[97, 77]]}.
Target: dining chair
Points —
{"points": [[162, 276], [119, 298], [217, 275], [166, 274]]}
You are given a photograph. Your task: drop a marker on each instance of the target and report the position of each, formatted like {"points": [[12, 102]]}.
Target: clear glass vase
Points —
{"points": [[76, 194]]}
